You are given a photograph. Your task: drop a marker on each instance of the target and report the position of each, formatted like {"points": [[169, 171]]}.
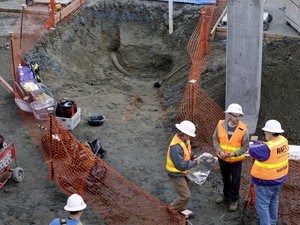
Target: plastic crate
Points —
{"points": [[29, 86], [41, 110]]}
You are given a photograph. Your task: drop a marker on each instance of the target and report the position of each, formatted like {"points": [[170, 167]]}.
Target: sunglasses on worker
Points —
{"points": [[236, 116]]}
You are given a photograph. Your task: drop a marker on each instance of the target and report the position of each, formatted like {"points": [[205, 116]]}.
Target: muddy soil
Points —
{"points": [[76, 62]]}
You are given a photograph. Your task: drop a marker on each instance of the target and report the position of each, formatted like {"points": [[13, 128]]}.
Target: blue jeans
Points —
{"points": [[267, 203]]}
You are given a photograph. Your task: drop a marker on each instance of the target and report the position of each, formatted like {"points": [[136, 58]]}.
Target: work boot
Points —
{"points": [[233, 206], [188, 214], [222, 200]]}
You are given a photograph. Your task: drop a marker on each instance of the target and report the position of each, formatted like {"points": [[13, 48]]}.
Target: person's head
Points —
{"points": [[272, 129], [186, 130], [235, 112], [75, 204]]}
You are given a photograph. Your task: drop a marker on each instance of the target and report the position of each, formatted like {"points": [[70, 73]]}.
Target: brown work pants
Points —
{"points": [[183, 194]]}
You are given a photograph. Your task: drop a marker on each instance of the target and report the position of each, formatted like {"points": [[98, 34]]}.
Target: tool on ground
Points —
{"points": [[7, 156], [159, 83], [96, 147], [250, 190], [6, 85], [247, 200]]}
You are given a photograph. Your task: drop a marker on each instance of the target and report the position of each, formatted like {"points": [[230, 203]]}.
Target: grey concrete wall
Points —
{"points": [[244, 57]]}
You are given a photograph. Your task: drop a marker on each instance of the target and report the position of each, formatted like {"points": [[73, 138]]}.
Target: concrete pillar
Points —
{"points": [[244, 57]]}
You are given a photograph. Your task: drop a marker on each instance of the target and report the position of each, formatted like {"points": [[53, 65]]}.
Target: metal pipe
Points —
{"points": [[170, 16]]}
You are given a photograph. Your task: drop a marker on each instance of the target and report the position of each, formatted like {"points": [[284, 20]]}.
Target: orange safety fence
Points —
{"points": [[74, 167], [197, 106]]}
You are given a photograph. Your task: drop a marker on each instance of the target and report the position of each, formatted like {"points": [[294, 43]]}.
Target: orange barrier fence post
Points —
{"points": [[52, 15]]}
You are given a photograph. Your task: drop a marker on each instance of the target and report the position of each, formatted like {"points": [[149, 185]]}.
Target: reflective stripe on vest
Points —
{"points": [[234, 143], [187, 154], [271, 166], [277, 164], [64, 222]]}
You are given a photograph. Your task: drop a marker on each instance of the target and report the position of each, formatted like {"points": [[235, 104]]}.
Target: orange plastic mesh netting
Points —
{"points": [[75, 169], [198, 107], [72, 165]]}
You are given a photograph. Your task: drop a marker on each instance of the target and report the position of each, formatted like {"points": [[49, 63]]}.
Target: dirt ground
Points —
{"points": [[76, 62]]}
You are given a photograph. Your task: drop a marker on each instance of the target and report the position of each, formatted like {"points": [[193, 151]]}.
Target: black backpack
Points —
{"points": [[97, 148]]}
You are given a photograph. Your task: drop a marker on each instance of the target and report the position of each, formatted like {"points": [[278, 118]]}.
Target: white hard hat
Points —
{"points": [[187, 127], [234, 108], [273, 126], [75, 203]]}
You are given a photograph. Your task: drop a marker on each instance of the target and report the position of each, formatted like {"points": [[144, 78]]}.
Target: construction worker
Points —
{"points": [[231, 141], [269, 171], [180, 160], [75, 206]]}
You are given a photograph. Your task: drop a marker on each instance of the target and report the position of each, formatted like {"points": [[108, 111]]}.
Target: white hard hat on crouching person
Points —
{"points": [[234, 108], [273, 126], [187, 127], [75, 203]]}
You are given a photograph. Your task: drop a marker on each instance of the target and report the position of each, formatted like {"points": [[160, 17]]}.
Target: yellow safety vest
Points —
{"points": [[277, 165], [234, 143], [64, 222], [187, 154]]}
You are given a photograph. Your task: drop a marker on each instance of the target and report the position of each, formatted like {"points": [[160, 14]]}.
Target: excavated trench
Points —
{"points": [[107, 58], [137, 43], [117, 45]]}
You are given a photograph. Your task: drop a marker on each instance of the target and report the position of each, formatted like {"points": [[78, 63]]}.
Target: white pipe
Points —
{"points": [[170, 16]]}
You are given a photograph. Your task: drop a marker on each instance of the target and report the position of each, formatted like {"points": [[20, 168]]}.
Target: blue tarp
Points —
{"points": [[198, 2]]}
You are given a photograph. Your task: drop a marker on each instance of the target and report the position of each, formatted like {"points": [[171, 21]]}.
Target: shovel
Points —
{"points": [[159, 83], [248, 196]]}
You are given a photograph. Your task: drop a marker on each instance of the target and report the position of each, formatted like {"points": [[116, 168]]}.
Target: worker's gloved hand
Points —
{"points": [[193, 156], [232, 154], [196, 161], [224, 155]]}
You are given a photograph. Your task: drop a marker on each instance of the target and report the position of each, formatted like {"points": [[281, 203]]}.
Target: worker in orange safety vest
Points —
{"points": [[231, 141], [269, 171], [180, 160]]}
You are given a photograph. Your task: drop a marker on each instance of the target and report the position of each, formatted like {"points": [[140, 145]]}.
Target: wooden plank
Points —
{"points": [[6, 10], [212, 33], [222, 2], [222, 32], [66, 11]]}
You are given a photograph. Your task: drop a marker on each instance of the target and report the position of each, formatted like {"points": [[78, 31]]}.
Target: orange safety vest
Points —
{"points": [[277, 165], [187, 154], [234, 143]]}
